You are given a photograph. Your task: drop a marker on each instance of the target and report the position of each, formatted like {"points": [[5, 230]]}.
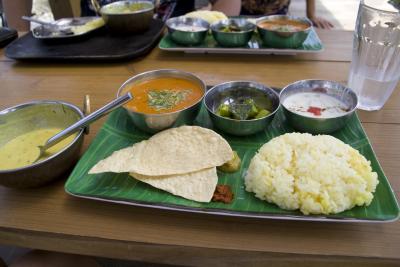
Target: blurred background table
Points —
{"points": [[47, 218]]}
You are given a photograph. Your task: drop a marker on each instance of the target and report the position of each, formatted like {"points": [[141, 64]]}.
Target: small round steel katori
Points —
{"points": [[231, 92], [186, 37], [233, 39], [283, 39], [319, 125]]}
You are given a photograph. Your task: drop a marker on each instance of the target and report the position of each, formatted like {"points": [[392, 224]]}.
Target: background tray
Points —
{"points": [[311, 45], [118, 133], [98, 45]]}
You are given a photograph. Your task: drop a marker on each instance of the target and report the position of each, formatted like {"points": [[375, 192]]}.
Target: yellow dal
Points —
{"points": [[23, 149]]}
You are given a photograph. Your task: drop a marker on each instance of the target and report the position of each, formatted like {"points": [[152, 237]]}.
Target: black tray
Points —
{"points": [[100, 45], [7, 35]]}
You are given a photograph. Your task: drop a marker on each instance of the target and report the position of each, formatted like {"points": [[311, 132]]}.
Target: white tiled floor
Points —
{"points": [[342, 13]]}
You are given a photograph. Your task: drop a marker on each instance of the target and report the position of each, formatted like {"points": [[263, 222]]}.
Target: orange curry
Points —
{"points": [[164, 95], [283, 25]]}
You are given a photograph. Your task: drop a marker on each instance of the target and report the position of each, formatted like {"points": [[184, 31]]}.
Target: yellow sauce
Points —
{"points": [[23, 150]]}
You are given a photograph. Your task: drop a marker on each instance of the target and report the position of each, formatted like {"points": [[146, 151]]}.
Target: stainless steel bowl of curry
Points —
{"points": [[241, 107], [163, 99], [232, 32], [23, 128], [282, 31]]}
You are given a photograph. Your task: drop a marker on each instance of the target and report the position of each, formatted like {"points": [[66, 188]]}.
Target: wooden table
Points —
{"points": [[48, 218]]}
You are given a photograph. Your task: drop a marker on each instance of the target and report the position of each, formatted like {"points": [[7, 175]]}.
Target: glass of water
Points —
{"points": [[375, 66]]}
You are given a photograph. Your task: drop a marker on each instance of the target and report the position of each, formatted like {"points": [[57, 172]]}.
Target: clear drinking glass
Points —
{"points": [[375, 66]]}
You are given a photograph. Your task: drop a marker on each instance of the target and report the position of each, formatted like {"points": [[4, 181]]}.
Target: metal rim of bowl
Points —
{"points": [[151, 7], [264, 87], [178, 19], [388, 12], [39, 102], [275, 17], [212, 26], [317, 80], [163, 71]]}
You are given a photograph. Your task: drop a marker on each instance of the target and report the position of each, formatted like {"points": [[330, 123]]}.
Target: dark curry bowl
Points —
{"points": [[185, 37], [153, 123], [282, 38], [127, 22], [232, 38], [36, 115], [319, 125], [231, 92]]}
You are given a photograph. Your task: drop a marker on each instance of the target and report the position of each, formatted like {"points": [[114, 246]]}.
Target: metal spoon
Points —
{"points": [[50, 26], [96, 7], [82, 123]]}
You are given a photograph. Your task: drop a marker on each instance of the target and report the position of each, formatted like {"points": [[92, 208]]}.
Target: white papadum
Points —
{"points": [[174, 151], [198, 186], [119, 161], [182, 150]]}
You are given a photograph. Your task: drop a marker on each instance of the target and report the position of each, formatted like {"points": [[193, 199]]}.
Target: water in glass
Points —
{"points": [[375, 67]]}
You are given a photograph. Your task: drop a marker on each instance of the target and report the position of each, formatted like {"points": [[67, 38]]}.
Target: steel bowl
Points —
{"points": [[229, 92], [153, 123], [283, 39], [319, 125], [187, 37], [131, 22], [35, 115], [233, 39]]}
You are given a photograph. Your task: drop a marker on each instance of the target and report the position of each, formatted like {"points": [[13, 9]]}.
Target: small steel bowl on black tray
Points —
{"points": [[232, 32], [119, 19], [187, 31], [36, 115], [283, 37], [234, 93], [319, 125]]}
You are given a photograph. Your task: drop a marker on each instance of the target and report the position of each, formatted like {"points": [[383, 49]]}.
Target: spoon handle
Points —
{"points": [[96, 7], [87, 120], [39, 21]]}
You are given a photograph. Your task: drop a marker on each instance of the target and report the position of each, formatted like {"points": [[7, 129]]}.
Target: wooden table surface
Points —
{"points": [[48, 218]]}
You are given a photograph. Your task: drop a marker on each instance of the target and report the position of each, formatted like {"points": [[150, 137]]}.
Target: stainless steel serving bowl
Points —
{"points": [[233, 39], [230, 92], [319, 125], [283, 39], [132, 22], [187, 37], [35, 115], [153, 123]]}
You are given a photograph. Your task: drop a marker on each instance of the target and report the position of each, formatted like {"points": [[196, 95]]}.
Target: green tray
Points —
{"points": [[118, 132], [311, 45]]}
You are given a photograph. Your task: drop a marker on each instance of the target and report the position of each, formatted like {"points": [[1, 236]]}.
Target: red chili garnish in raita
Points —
{"points": [[315, 110], [223, 193]]}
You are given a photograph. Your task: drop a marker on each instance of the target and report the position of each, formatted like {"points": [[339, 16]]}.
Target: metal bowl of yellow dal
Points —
{"points": [[128, 16], [23, 128]]}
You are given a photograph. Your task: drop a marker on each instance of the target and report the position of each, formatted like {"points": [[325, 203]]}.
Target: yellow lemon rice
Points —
{"points": [[315, 174]]}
